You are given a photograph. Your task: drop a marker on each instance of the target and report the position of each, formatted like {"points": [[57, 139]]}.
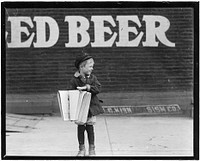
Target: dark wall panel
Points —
{"points": [[124, 69]]}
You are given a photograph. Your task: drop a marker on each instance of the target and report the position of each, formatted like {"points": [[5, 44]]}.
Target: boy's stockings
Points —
{"points": [[81, 137], [90, 133]]}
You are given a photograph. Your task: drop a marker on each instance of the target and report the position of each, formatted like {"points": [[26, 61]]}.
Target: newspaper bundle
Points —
{"points": [[74, 105]]}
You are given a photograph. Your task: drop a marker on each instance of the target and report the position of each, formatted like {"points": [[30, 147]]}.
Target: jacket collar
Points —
{"points": [[77, 74]]}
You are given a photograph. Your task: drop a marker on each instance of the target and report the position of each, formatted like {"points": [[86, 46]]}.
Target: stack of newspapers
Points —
{"points": [[74, 105]]}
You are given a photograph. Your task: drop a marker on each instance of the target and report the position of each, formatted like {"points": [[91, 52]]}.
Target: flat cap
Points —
{"points": [[80, 59]]}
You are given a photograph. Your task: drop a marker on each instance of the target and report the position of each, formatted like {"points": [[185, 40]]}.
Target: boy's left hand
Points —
{"points": [[82, 88]]}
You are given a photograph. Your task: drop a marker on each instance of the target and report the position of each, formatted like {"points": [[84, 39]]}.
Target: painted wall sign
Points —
{"points": [[78, 27], [135, 49], [149, 109]]}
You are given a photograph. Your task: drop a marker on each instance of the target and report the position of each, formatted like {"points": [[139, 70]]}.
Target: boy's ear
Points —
{"points": [[80, 67]]}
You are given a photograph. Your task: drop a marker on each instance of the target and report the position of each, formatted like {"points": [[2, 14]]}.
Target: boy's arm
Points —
{"points": [[95, 87], [71, 85]]}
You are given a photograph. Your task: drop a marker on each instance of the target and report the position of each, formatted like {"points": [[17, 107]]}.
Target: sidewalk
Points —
{"points": [[115, 136]]}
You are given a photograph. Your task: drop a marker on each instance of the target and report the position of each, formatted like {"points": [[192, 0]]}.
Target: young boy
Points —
{"points": [[84, 80]]}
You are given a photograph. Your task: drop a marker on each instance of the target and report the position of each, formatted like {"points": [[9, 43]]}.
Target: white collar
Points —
{"points": [[77, 74]]}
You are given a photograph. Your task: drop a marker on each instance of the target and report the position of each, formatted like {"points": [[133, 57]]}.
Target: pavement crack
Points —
{"points": [[163, 146], [108, 135], [152, 138]]}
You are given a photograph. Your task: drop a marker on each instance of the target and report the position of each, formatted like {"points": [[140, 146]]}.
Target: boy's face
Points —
{"points": [[88, 68]]}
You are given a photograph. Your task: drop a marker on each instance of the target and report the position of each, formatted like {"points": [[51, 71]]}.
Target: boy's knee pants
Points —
{"points": [[90, 121]]}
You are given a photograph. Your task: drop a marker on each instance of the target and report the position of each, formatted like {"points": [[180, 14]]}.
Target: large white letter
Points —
{"points": [[100, 30], [152, 31], [124, 30], [76, 29], [17, 29], [41, 32]]}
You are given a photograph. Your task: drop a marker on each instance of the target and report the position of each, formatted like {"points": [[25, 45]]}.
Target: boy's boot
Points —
{"points": [[92, 150], [82, 151]]}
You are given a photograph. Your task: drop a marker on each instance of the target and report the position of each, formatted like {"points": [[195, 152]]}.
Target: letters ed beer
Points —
{"points": [[79, 26]]}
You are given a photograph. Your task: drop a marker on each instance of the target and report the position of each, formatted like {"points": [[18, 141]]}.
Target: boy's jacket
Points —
{"points": [[79, 81]]}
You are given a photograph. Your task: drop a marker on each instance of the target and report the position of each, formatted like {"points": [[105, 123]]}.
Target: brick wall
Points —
{"points": [[127, 69]]}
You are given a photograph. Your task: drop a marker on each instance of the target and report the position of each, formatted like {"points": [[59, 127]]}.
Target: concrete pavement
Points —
{"points": [[115, 136]]}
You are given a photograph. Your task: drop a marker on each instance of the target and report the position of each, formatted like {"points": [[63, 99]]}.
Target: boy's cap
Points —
{"points": [[81, 59]]}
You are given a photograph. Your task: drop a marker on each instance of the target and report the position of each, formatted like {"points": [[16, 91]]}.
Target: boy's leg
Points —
{"points": [[81, 140], [81, 135], [90, 132]]}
